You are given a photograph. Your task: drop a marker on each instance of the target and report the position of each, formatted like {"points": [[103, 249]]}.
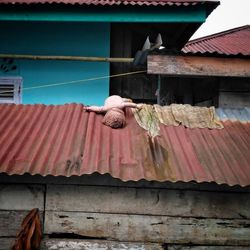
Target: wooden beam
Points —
{"points": [[21, 197], [10, 222], [144, 228], [67, 58], [72, 244], [147, 201], [6, 243], [198, 66], [181, 247]]}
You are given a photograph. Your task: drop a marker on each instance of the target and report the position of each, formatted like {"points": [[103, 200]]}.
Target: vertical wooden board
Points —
{"points": [[147, 87], [116, 51], [115, 83], [10, 222], [147, 201], [134, 87], [138, 228], [185, 90], [72, 244], [168, 90], [154, 86], [21, 197], [126, 47]]}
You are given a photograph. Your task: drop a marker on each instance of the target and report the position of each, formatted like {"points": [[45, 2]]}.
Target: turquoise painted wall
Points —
{"points": [[45, 38], [159, 14]]}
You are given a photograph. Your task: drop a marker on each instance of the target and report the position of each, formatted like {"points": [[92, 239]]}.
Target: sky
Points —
{"points": [[229, 14]]}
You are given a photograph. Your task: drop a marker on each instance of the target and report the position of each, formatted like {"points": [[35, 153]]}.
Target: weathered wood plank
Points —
{"points": [[181, 247], [21, 197], [198, 66], [6, 243], [139, 228], [235, 100], [73, 244], [10, 222], [147, 201]]}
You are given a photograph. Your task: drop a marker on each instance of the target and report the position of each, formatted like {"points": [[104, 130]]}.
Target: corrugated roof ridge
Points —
{"points": [[215, 35]]}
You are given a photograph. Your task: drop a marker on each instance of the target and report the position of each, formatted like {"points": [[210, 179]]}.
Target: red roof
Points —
{"points": [[231, 42], [114, 2], [65, 140]]}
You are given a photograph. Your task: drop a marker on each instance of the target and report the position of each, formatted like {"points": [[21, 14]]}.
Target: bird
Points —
{"points": [[141, 55]]}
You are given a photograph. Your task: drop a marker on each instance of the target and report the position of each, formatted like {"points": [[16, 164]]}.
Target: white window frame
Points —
{"points": [[18, 84]]}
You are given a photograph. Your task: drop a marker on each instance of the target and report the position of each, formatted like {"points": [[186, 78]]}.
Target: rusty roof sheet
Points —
{"points": [[231, 42], [65, 140], [114, 2]]}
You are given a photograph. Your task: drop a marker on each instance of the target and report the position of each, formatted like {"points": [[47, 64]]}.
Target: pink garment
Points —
{"points": [[114, 101], [113, 107]]}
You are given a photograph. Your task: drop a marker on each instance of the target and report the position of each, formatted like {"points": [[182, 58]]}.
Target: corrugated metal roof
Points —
{"points": [[65, 140], [234, 114], [114, 2], [231, 42]]}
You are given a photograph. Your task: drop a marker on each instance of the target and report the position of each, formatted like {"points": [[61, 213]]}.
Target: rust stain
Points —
{"points": [[83, 145], [67, 224]]}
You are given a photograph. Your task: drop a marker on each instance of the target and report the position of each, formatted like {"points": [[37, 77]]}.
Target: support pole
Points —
{"points": [[159, 89]]}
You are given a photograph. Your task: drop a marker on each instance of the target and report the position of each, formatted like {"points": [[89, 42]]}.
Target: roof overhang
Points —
{"points": [[177, 65], [134, 14], [180, 19]]}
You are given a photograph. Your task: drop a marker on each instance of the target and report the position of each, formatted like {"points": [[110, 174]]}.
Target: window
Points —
{"points": [[10, 90]]}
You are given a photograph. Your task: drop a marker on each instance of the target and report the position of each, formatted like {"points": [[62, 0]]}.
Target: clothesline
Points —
{"points": [[76, 81]]}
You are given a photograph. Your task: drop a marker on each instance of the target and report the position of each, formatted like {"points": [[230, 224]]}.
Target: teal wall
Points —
{"points": [[58, 38]]}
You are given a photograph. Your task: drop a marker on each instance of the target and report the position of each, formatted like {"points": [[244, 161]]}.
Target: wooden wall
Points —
{"points": [[15, 203], [225, 92], [117, 215], [126, 40], [189, 90], [234, 92]]}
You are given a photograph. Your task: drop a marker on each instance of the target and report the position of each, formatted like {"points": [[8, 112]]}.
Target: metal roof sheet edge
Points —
{"points": [[66, 141], [232, 42], [114, 2]]}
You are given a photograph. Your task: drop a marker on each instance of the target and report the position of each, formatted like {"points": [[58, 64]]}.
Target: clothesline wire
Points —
{"points": [[76, 81]]}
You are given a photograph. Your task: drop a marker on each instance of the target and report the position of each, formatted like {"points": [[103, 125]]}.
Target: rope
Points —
{"points": [[76, 81]]}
